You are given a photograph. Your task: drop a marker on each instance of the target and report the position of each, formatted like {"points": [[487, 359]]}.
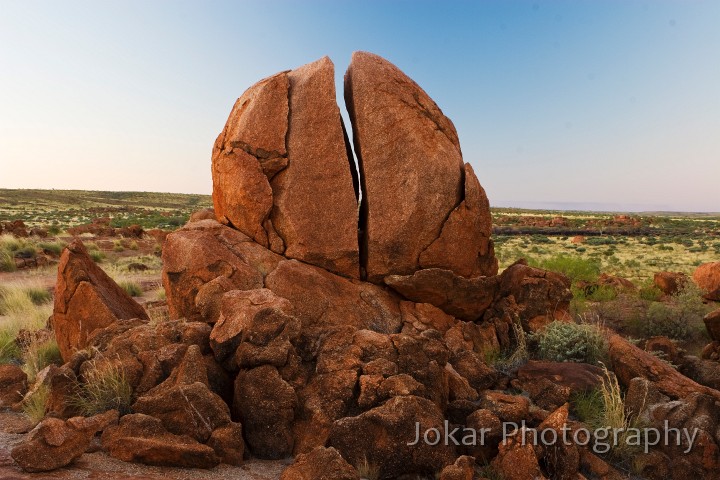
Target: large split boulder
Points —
{"points": [[420, 202], [86, 298], [282, 171]]}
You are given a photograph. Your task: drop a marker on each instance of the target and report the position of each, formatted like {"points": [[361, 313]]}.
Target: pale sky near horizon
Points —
{"points": [[603, 104]]}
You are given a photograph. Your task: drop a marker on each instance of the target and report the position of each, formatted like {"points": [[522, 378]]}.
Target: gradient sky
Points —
{"points": [[604, 104]]}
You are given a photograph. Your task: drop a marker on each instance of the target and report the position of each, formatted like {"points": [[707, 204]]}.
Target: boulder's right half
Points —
{"points": [[413, 178]]}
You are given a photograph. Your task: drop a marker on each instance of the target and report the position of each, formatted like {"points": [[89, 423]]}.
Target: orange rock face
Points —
{"points": [[410, 164], [86, 299], [707, 277], [282, 173]]}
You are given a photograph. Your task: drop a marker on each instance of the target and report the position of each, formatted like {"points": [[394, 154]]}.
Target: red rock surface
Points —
{"points": [[707, 277], [282, 173], [86, 299], [410, 164]]}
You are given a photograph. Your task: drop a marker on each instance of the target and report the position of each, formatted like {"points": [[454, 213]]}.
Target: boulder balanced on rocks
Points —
{"points": [[422, 207], [86, 298], [282, 173]]}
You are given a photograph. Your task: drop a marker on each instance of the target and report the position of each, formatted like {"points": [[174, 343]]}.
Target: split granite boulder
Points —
{"points": [[282, 173]]}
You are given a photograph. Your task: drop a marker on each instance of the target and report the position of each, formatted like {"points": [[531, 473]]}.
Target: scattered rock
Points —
{"points": [[578, 377], [55, 443], [670, 283], [462, 469], [712, 324], [628, 362]]}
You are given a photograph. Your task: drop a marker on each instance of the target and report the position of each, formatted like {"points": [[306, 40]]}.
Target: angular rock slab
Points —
{"points": [[410, 163], [86, 299], [282, 171]]}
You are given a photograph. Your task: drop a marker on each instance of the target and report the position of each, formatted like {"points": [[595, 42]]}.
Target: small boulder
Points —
{"points": [[462, 469], [712, 324], [55, 443], [265, 405], [670, 283], [13, 385]]}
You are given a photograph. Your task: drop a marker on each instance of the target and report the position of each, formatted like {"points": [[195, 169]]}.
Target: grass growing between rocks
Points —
{"points": [[39, 355], [131, 288], [367, 470], [104, 387], [34, 407]]}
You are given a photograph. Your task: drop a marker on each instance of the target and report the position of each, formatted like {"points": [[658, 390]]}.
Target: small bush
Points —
{"points": [[96, 255], [650, 292], [677, 317], [133, 245], [588, 406], [118, 246], [132, 288], [571, 342], [104, 387]]}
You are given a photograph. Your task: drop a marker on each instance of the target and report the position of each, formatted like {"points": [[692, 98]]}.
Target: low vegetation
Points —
{"points": [[571, 342]]}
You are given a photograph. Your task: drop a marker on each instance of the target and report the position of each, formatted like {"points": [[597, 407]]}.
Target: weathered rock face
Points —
{"points": [[382, 436], [412, 176], [536, 297], [282, 171], [86, 299], [707, 277], [465, 298]]}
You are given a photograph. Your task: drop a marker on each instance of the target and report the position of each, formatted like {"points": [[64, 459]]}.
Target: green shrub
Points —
{"points": [[571, 342], [650, 292], [678, 316], [133, 245], [118, 246], [132, 288]]}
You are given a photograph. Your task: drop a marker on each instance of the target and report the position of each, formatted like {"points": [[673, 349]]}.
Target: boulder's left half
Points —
{"points": [[86, 299], [283, 171]]}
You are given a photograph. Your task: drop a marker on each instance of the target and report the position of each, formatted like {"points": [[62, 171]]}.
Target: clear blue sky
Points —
{"points": [[607, 103]]}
